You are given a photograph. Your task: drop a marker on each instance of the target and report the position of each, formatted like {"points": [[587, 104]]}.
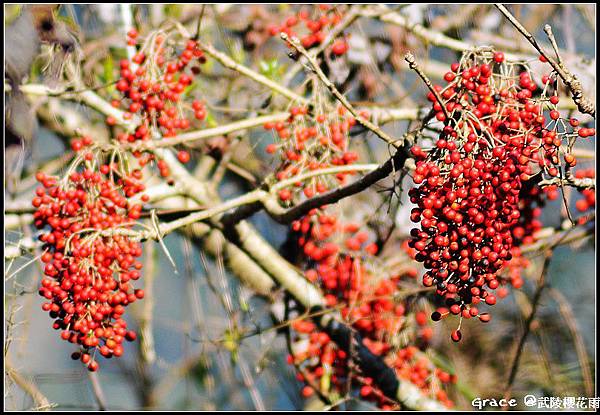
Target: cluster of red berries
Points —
{"points": [[310, 143], [340, 261], [316, 24], [90, 261], [532, 199], [474, 202], [152, 85]]}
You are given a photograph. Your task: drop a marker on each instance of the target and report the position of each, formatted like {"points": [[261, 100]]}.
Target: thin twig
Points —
{"points": [[548, 30], [40, 400], [98, 392], [228, 62], [435, 38], [225, 129], [295, 43], [541, 285], [570, 180], [567, 312], [412, 64], [282, 215], [584, 104], [147, 351], [348, 19]]}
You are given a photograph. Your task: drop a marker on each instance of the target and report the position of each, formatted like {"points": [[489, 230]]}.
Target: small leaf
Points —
{"points": [[326, 380], [210, 120], [244, 305], [189, 89], [271, 68], [108, 73]]}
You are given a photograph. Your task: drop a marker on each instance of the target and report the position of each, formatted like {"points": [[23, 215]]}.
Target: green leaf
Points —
{"points": [[108, 73], [231, 342], [211, 122], [244, 305], [264, 67], [238, 54], [191, 87], [271, 68], [326, 380]]}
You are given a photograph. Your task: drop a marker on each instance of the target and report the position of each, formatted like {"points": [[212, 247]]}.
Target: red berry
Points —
{"points": [[183, 156], [339, 47]]}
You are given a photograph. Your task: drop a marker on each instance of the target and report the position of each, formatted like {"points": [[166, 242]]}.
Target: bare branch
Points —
{"points": [[412, 63], [244, 70], [40, 400], [584, 104], [337, 94]]}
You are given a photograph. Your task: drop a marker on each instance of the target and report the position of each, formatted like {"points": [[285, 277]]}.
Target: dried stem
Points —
{"points": [[349, 18], [412, 64], [147, 352], [570, 180], [541, 285], [98, 392], [39, 399], [261, 79], [548, 30], [435, 38], [567, 312], [295, 43], [584, 104]]}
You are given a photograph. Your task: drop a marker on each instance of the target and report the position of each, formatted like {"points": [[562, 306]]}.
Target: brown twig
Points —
{"points": [[282, 215], [548, 30], [584, 104], [435, 38], [348, 19], [541, 285], [558, 237], [570, 180], [314, 66], [229, 63], [567, 312], [412, 64], [146, 346], [39, 399], [98, 392]]}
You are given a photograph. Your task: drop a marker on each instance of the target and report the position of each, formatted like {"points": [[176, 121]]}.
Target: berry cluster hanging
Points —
{"points": [[307, 143], [475, 192], [89, 255], [152, 86], [341, 260]]}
